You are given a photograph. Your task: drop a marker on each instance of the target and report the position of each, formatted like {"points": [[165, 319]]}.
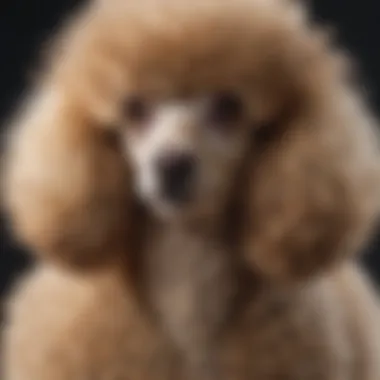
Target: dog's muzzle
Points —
{"points": [[176, 174]]}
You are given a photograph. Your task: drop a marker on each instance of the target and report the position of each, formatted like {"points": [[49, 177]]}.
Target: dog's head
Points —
{"points": [[190, 85], [219, 102]]}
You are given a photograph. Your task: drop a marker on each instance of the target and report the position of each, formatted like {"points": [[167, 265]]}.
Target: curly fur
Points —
{"points": [[269, 287]]}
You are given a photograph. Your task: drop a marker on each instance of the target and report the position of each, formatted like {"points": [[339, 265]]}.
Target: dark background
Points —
{"points": [[26, 24]]}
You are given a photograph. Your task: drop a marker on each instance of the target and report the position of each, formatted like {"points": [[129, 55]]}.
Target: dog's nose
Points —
{"points": [[176, 172]]}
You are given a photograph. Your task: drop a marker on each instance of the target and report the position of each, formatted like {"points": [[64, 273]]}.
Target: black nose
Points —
{"points": [[176, 173]]}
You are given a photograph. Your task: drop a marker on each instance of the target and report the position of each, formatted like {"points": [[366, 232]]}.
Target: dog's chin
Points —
{"points": [[191, 209], [172, 211], [180, 214]]}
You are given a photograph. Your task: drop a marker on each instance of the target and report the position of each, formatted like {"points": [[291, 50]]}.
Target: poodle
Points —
{"points": [[196, 180]]}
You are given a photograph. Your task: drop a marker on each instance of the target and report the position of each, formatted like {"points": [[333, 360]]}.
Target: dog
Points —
{"points": [[196, 180]]}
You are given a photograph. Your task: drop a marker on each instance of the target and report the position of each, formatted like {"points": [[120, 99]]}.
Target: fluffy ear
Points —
{"points": [[313, 190], [65, 186]]}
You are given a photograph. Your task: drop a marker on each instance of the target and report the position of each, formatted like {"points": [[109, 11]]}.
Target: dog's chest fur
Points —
{"points": [[190, 285]]}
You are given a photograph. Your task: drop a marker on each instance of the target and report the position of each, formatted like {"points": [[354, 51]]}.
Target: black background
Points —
{"points": [[26, 24]]}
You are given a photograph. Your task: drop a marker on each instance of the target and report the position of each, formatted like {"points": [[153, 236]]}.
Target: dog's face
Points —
{"points": [[193, 82], [189, 86], [185, 151]]}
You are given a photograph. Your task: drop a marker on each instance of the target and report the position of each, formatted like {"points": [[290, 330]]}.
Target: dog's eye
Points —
{"points": [[136, 109], [224, 109]]}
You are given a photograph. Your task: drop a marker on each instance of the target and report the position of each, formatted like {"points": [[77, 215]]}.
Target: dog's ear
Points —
{"points": [[65, 186], [313, 190]]}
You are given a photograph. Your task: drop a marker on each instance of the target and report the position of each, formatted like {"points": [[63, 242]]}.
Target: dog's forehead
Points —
{"points": [[188, 46], [178, 49]]}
